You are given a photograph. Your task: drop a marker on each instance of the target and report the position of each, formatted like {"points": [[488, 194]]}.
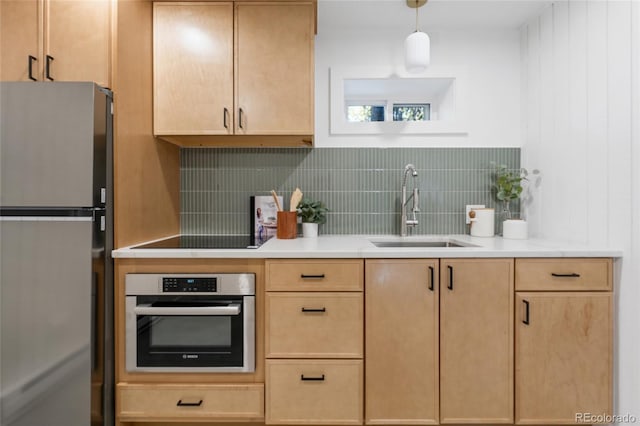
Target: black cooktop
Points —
{"points": [[202, 242]]}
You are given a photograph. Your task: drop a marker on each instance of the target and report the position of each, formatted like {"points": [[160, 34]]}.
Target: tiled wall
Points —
{"points": [[361, 187]]}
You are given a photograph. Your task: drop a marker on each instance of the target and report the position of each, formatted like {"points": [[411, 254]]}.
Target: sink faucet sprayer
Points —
{"points": [[404, 222]]}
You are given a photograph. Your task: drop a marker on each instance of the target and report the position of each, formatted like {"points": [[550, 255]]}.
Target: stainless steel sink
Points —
{"points": [[443, 243]]}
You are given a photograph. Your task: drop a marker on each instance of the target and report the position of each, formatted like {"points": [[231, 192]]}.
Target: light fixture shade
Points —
{"points": [[417, 52]]}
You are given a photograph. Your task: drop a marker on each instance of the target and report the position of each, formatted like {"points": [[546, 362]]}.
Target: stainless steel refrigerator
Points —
{"points": [[56, 270]]}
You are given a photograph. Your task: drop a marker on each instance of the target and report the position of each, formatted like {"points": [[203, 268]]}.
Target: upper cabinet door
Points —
{"points": [[274, 68], [193, 68], [20, 38], [77, 40]]}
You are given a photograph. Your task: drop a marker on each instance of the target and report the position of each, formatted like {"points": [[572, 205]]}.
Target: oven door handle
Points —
{"points": [[232, 309]]}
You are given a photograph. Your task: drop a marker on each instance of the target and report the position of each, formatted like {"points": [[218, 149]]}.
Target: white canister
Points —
{"points": [[515, 229], [482, 222]]}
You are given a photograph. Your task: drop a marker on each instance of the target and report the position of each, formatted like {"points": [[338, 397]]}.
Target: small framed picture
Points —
{"points": [[263, 218]]}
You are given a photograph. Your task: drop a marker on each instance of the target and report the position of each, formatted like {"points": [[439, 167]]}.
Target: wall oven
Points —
{"points": [[190, 322]]}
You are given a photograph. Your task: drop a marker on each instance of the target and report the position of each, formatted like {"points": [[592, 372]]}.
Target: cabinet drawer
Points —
{"points": [[314, 392], [176, 402], [314, 325], [563, 274], [315, 275]]}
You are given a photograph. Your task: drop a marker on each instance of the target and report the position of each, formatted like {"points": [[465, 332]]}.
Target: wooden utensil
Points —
{"points": [[275, 197], [296, 196]]}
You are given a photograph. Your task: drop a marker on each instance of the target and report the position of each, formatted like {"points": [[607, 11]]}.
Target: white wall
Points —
{"points": [[581, 103], [492, 61]]}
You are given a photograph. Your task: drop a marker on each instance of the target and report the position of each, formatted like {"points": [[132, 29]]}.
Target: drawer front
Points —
{"points": [[571, 274], [314, 392], [315, 275], [314, 325], [176, 402]]}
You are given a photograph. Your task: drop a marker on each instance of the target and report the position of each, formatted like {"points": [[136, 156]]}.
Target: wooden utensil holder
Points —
{"points": [[287, 225]]}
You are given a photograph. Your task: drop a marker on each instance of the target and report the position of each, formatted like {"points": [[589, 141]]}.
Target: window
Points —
{"points": [[365, 113], [411, 112], [384, 101]]}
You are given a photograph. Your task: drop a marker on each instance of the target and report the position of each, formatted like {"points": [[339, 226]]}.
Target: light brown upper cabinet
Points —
{"points": [[56, 40], [227, 72], [476, 341]]}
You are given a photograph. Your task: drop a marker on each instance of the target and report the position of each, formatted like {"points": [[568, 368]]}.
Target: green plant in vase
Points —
{"points": [[508, 186], [312, 213]]}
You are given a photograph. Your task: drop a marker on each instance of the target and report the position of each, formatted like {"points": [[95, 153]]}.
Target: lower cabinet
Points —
{"points": [[401, 374], [314, 342], [563, 356], [564, 340], [189, 402], [476, 340], [314, 392]]}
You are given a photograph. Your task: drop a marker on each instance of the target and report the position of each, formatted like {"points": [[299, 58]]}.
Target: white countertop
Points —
{"points": [[360, 246]]}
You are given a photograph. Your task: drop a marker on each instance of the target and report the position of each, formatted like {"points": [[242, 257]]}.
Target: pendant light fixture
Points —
{"points": [[417, 49]]}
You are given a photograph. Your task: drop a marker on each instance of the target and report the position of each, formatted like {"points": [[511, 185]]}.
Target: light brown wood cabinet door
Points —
{"points": [[20, 37], [77, 42], [564, 344], [193, 68], [274, 68], [476, 341], [401, 369]]}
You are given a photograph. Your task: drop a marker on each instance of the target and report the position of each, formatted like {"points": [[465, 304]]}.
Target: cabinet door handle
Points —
{"points": [[450, 285], [526, 312], [571, 275], [225, 118], [431, 272], [312, 379], [240, 113], [305, 276], [32, 59], [314, 309], [189, 404], [47, 67]]}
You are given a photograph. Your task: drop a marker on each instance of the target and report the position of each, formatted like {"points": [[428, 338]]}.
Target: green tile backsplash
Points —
{"points": [[361, 186]]}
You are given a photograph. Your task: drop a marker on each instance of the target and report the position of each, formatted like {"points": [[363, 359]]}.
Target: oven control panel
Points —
{"points": [[189, 284]]}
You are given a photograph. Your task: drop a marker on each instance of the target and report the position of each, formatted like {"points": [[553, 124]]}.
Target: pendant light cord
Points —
{"points": [[417, 15]]}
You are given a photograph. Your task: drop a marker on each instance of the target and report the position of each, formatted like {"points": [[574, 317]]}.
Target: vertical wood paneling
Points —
{"points": [[547, 122], [561, 163], [531, 109], [576, 176], [583, 144], [619, 122], [596, 146]]}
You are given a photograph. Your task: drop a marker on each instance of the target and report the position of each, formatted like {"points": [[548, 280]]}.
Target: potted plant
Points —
{"points": [[312, 213], [508, 187]]}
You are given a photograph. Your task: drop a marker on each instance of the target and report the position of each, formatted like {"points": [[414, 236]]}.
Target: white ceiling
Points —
{"points": [[435, 15]]}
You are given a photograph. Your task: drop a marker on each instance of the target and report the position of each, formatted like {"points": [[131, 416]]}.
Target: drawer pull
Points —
{"points": [[189, 404], [314, 309], [32, 59], [47, 67], [305, 276], [526, 312], [312, 379], [431, 278], [571, 275]]}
